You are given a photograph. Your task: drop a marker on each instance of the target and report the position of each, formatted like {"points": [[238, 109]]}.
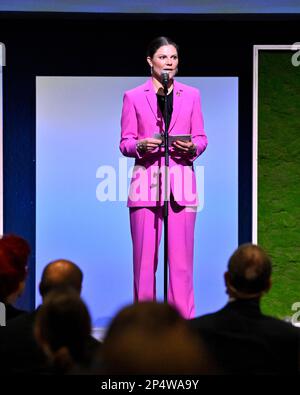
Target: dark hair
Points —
{"points": [[159, 42], [249, 269], [152, 338], [150, 315], [14, 254], [63, 320]]}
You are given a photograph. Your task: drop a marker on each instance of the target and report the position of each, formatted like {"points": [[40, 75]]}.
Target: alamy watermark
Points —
{"points": [[295, 317], [295, 58], [148, 183], [2, 314]]}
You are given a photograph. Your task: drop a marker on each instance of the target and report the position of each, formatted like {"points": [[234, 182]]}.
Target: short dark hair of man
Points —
{"points": [[61, 274], [249, 270]]}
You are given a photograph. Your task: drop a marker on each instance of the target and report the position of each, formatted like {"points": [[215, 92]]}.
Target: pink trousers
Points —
{"points": [[146, 229]]}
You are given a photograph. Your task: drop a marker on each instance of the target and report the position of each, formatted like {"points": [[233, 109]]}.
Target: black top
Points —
{"points": [[161, 104]]}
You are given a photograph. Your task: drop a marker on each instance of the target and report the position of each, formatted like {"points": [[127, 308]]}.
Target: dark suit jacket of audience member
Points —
{"points": [[19, 351], [244, 340], [12, 312]]}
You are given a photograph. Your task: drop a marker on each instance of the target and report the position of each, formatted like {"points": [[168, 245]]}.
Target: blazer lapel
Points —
{"points": [[177, 101], [152, 101], [151, 98]]}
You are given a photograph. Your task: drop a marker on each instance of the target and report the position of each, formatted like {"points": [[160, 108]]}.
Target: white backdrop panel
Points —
{"points": [[78, 131]]}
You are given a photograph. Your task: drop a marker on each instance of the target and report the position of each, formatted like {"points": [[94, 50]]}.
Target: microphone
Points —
{"points": [[165, 80]]}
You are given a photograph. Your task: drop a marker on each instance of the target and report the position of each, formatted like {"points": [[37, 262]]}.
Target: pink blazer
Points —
{"points": [[141, 118]]}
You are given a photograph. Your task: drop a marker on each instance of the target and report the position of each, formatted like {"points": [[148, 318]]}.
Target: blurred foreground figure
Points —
{"points": [[62, 330], [152, 338]]}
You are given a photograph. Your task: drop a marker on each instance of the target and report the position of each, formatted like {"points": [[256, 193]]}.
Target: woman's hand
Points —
{"points": [[183, 147], [147, 145]]}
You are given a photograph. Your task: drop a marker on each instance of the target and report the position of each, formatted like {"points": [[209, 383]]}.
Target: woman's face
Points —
{"points": [[165, 59]]}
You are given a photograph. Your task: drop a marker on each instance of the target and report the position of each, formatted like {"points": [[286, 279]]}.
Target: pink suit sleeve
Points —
{"points": [[129, 129]]}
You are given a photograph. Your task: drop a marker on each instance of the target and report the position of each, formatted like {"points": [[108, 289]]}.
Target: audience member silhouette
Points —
{"points": [[14, 254], [62, 330], [152, 338], [19, 350], [144, 338], [243, 339]]}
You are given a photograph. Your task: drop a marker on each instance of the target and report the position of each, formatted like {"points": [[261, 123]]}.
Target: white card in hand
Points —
{"points": [[173, 137]]}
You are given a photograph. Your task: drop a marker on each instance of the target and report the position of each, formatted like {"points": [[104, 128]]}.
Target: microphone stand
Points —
{"points": [[166, 195]]}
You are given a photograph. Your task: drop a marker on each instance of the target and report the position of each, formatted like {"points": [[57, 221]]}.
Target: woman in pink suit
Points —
{"points": [[142, 121]]}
